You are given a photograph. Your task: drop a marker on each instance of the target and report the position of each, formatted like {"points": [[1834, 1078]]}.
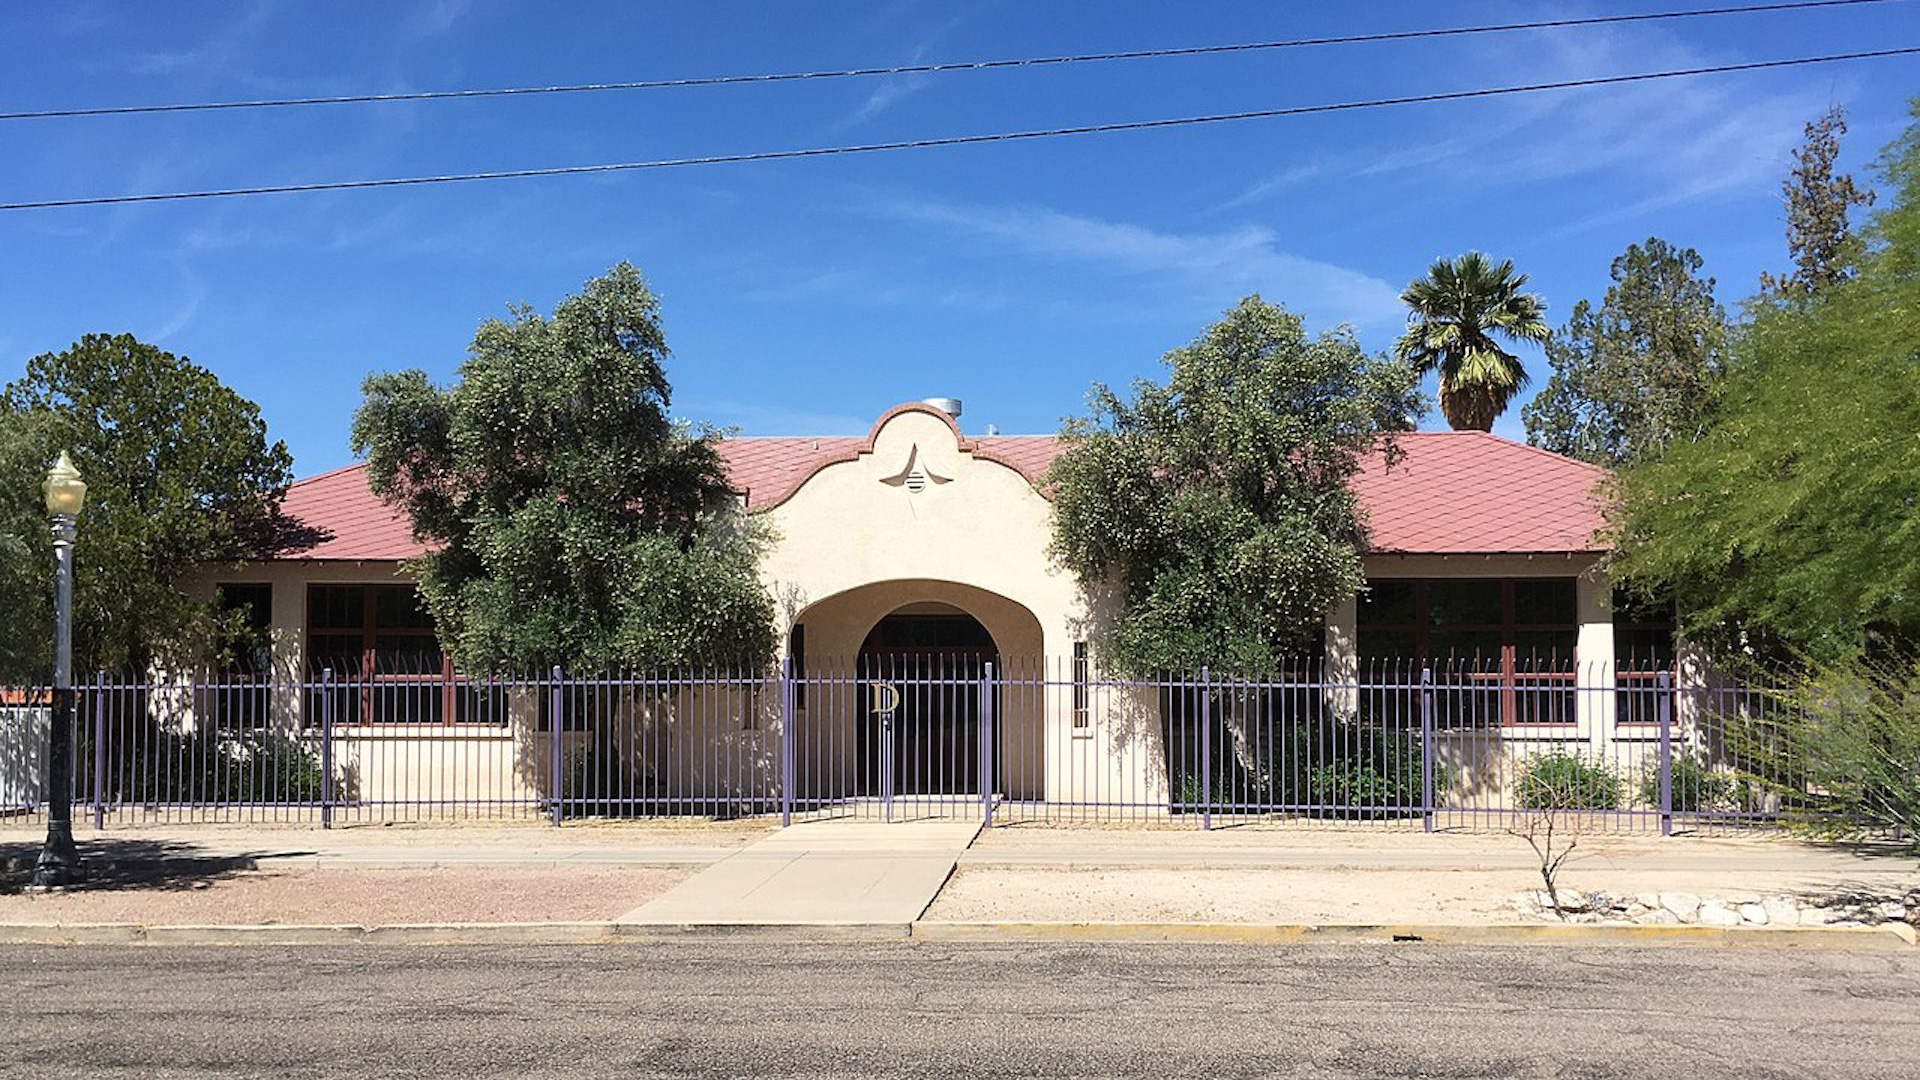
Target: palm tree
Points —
{"points": [[1456, 312]]}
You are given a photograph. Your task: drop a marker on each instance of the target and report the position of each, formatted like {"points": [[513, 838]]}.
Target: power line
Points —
{"points": [[960, 140], [927, 69]]}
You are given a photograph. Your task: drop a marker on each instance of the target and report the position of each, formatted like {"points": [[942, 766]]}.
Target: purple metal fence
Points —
{"points": [[914, 734]]}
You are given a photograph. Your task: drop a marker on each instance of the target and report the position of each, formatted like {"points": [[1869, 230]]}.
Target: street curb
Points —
{"points": [[582, 933], [1888, 936], [1892, 936], [765, 931]]}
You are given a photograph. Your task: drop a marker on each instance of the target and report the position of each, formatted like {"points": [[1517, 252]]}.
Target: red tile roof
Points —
{"points": [[1453, 492], [1475, 493], [345, 520]]}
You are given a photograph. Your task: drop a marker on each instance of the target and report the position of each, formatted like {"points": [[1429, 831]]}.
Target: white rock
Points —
{"points": [[1734, 900], [1755, 914], [1647, 900], [1658, 917], [1714, 913], [1815, 916], [1683, 905], [1782, 911], [1892, 911]]}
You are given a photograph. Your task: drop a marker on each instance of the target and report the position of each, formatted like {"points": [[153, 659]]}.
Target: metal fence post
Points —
{"points": [[99, 750], [787, 741], [1663, 709], [1206, 752], [1426, 746], [556, 719], [326, 748], [986, 748]]}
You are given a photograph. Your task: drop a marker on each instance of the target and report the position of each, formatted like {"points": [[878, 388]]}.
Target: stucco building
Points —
{"points": [[917, 554]]}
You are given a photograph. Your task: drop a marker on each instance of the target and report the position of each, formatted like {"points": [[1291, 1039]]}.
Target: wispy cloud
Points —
{"points": [[1272, 184], [1246, 259], [892, 90], [1667, 143], [195, 293], [869, 285]]}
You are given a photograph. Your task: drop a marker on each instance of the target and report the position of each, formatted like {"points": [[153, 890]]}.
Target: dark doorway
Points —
{"points": [[920, 707]]}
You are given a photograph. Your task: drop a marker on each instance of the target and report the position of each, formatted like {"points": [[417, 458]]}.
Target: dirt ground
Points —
{"points": [[1334, 875], [1295, 895], [362, 896]]}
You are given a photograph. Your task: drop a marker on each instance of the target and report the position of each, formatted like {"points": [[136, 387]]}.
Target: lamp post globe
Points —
{"points": [[66, 495]]}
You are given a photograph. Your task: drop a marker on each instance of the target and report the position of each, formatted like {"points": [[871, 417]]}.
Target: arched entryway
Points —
{"points": [[932, 639], [922, 671]]}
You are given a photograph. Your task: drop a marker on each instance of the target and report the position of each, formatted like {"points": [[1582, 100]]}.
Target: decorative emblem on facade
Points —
{"points": [[914, 476]]}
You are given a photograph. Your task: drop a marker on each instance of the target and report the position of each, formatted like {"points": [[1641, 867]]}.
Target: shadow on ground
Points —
{"points": [[1864, 903], [131, 864]]}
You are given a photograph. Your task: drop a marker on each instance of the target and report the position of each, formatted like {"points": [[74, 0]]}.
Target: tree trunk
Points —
{"points": [[1468, 408]]}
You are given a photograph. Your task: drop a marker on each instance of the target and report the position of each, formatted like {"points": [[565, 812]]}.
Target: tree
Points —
{"points": [[1214, 510], [1638, 372], [572, 520], [1456, 313], [1841, 752], [1792, 522], [180, 476], [1818, 201]]}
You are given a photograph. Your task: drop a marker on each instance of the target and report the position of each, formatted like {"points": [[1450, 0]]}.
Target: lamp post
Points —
{"points": [[59, 862]]}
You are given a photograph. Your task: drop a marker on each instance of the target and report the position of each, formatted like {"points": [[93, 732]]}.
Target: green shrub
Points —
{"points": [[1565, 781], [1323, 764], [159, 765], [1694, 783], [1840, 755]]}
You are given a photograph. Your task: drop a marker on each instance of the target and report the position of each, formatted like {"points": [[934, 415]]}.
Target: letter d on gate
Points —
{"points": [[883, 698]]}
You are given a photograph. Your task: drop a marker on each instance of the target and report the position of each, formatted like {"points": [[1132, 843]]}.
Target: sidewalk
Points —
{"points": [[933, 877]]}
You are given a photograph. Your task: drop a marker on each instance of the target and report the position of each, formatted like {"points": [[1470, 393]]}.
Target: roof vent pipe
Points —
{"points": [[948, 405]]}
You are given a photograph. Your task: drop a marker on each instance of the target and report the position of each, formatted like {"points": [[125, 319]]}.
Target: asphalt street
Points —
{"points": [[741, 1007]]}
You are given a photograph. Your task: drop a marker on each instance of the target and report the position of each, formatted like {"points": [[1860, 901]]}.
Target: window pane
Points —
{"points": [[481, 703], [335, 607], [249, 651], [407, 703], [1643, 649], [1543, 601], [1457, 603], [1385, 645], [1543, 701], [341, 652], [406, 654], [399, 608], [1466, 650], [1387, 603], [1543, 650], [1632, 607]]}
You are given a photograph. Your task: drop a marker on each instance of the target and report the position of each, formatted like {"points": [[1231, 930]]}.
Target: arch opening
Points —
{"points": [[923, 666], [891, 694]]}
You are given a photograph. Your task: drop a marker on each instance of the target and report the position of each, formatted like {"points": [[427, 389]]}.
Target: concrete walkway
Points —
{"points": [[819, 873]]}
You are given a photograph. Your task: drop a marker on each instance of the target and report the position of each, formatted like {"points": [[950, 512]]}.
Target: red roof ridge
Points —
{"points": [[329, 474], [964, 443], [1563, 459]]}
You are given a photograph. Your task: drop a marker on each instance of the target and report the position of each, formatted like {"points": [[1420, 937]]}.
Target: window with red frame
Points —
{"points": [[1643, 650], [1501, 649], [379, 643]]}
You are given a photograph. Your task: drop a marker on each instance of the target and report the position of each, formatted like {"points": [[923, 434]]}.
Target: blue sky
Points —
{"points": [[805, 297]]}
